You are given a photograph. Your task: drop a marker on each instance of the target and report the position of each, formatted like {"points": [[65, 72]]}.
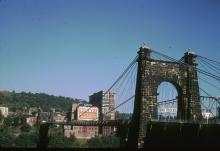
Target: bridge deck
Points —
{"points": [[92, 123]]}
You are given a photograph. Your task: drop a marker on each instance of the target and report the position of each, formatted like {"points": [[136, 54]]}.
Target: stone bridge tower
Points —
{"points": [[149, 76]]}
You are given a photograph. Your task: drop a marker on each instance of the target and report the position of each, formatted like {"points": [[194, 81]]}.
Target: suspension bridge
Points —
{"points": [[156, 88]]}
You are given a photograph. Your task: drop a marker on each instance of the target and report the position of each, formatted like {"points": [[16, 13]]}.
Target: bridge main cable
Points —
{"points": [[186, 64], [209, 59], [121, 104], [123, 73], [117, 80]]}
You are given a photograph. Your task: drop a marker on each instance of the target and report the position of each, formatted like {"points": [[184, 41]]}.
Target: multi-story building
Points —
{"points": [[59, 117], [82, 112], [32, 121], [105, 101], [4, 111], [73, 111], [42, 116]]}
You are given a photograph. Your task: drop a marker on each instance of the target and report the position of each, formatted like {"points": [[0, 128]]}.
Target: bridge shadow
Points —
{"points": [[182, 136]]}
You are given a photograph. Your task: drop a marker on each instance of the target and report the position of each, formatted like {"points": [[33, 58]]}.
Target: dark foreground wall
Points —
{"points": [[182, 136]]}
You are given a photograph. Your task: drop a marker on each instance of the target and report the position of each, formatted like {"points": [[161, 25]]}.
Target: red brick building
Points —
{"points": [[86, 112], [85, 132]]}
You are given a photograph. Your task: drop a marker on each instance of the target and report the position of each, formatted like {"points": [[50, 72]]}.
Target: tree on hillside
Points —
{"points": [[26, 140], [6, 138], [104, 142], [58, 140], [25, 127], [18, 101], [9, 121]]}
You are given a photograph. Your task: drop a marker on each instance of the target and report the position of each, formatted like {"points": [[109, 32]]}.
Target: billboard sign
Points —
{"points": [[168, 110], [207, 114], [87, 113]]}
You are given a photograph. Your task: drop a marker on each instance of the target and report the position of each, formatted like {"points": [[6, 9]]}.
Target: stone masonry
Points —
{"points": [[150, 74]]}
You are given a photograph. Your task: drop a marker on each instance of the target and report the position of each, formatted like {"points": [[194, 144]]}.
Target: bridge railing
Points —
{"points": [[210, 108], [201, 121]]}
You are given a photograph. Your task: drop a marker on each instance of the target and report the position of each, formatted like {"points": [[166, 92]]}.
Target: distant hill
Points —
{"points": [[23, 100]]}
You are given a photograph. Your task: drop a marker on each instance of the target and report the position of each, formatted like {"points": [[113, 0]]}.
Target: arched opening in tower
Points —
{"points": [[167, 99]]}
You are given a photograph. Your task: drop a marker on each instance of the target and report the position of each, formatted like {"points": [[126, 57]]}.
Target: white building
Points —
{"points": [[4, 111]]}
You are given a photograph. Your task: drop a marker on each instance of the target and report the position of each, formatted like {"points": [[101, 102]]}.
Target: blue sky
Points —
{"points": [[77, 47]]}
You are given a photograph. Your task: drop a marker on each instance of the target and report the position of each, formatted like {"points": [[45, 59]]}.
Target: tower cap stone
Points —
{"points": [[145, 45], [189, 51]]}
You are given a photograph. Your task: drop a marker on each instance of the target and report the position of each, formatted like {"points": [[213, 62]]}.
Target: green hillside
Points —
{"points": [[20, 101]]}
